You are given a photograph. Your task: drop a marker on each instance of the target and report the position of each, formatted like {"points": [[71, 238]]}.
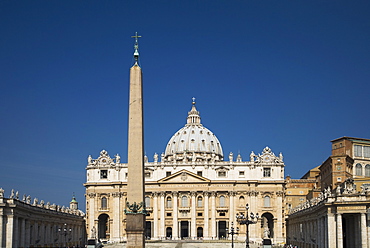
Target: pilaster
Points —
{"points": [[155, 215], [339, 231], [175, 211], [206, 216], [213, 214], [193, 223], [364, 238], [162, 227]]}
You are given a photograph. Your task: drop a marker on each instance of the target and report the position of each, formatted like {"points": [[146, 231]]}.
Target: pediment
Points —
{"points": [[184, 176]]}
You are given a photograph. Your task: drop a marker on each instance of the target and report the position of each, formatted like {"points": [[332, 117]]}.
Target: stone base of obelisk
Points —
{"points": [[135, 224]]}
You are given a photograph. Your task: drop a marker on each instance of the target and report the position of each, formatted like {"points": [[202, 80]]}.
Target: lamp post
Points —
{"points": [[232, 232], [247, 220], [64, 231]]}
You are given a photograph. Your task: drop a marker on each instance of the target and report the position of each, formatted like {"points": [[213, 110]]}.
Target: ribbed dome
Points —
{"points": [[193, 142]]}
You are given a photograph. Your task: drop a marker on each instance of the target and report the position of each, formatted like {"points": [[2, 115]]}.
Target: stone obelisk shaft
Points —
{"points": [[135, 222]]}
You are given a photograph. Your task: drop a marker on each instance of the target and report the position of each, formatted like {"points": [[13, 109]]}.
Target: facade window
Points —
{"points": [[222, 201], [358, 170], [200, 214], [184, 201], [367, 151], [169, 202], [104, 202], [222, 174], [339, 179], [222, 214], [169, 214], [367, 170], [103, 174], [147, 201], [168, 173], [147, 174], [199, 173], [358, 150], [241, 201], [266, 172], [200, 202], [241, 173], [266, 201]]}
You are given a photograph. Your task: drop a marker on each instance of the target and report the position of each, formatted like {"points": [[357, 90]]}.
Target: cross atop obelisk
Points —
{"points": [[135, 207], [136, 47]]}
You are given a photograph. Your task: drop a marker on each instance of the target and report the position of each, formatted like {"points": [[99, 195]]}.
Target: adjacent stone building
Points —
{"points": [[192, 191], [336, 210]]}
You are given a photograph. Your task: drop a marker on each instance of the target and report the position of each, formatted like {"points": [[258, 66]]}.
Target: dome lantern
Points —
{"points": [[193, 142]]}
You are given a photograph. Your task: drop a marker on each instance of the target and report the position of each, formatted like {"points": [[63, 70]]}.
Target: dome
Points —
{"points": [[193, 142]]}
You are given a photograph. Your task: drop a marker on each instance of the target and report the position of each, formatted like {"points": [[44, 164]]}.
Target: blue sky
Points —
{"points": [[291, 75]]}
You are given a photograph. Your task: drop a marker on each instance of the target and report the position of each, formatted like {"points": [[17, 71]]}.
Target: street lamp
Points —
{"points": [[64, 231], [247, 220], [232, 232]]}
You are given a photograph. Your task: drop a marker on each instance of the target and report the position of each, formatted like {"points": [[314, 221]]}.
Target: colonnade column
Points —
{"points": [[9, 231], [175, 225], [331, 235], [2, 216], [16, 232], [213, 214], [155, 215], [28, 234], [364, 238], [22, 230], [339, 231], [193, 223], [319, 232], [206, 216]]}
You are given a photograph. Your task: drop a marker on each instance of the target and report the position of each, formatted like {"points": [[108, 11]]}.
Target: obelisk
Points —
{"points": [[135, 207]]}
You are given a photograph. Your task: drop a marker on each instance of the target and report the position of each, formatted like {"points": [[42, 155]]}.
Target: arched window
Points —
{"points": [[169, 202], [266, 201], [241, 201], [104, 202], [358, 170], [147, 201], [184, 201], [200, 202], [222, 201], [367, 170]]}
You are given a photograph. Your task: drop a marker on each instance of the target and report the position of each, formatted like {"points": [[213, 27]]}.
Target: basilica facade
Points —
{"points": [[191, 191]]}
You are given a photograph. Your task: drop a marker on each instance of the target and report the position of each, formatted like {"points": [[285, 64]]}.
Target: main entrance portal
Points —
{"points": [[184, 229]]}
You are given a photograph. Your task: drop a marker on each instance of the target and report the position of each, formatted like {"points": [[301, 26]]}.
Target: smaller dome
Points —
{"points": [[193, 142]]}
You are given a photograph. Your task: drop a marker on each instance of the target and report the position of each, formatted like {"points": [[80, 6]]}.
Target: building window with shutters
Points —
{"points": [[358, 150], [266, 172], [367, 170], [169, 202], [184, 201], [266, 201], [200, 202], [104, 203], [358, 170], [103, 174], [222, 201]]}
